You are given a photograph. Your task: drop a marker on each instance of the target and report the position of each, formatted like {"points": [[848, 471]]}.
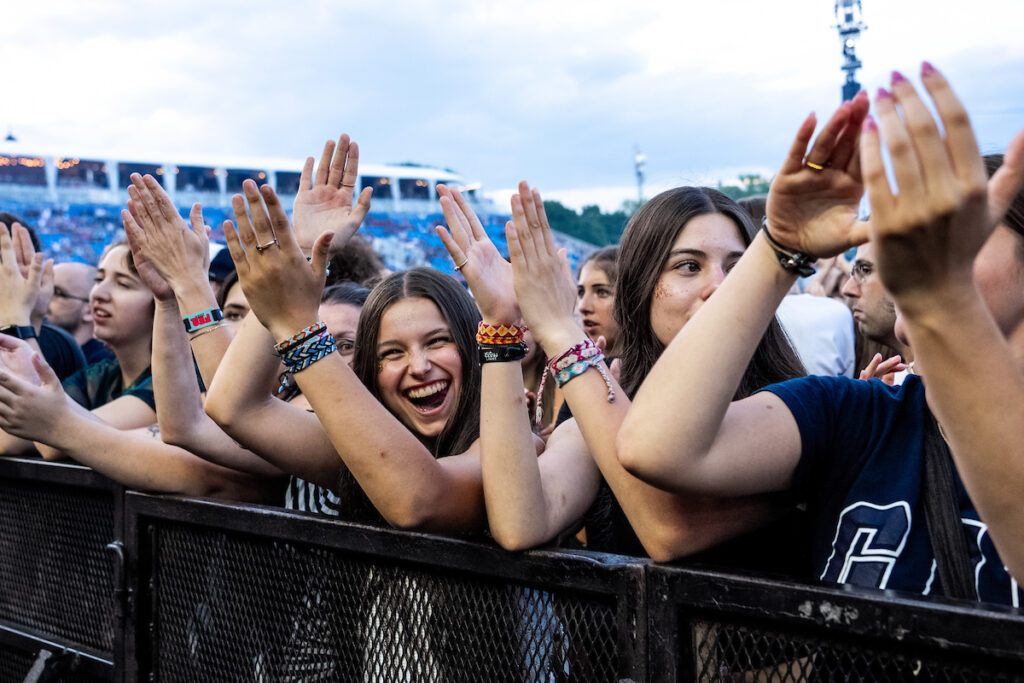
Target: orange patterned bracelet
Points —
{"points": [[499, 335]]}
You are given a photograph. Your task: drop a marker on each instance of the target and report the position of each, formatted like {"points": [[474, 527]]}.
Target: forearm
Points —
{"points": [[178, 402], [139, 459], [246, 374], [517, 509], [976, 391], [209, 348], [13, 445], [679, 408]]}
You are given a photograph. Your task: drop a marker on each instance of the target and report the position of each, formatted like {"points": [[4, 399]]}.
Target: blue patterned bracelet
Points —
{"points": [[303, 355]]}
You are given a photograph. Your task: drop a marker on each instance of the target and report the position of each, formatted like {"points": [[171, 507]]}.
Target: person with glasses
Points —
{"points": [[69, 307], [874, 314]]}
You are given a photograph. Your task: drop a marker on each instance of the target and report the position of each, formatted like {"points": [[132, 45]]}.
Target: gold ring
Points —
{"points": [[460, 266], [260, 248], [347, 185], [814, 166]]}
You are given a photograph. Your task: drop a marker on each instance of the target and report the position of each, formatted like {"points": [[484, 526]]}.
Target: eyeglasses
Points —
{"points": [[861, 270], [60, 293]]}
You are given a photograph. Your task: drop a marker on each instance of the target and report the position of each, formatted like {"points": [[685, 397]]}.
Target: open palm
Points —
{"points": [[324, 203]]}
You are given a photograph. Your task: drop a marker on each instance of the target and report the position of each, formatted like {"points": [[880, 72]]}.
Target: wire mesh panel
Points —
{"points": [[238, 607], [738, 651], [715, 627], [56, 578], [14, 664]]}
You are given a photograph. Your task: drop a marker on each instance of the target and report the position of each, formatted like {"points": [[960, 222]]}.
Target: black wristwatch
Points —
{"points": [[19, 331]]}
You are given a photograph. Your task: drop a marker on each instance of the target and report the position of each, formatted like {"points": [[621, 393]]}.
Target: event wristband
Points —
{"points": [[503, 353], [198, 321]]}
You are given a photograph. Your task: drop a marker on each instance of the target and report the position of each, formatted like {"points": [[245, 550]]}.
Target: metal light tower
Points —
{"points": [[639, 161], [848, 14]]}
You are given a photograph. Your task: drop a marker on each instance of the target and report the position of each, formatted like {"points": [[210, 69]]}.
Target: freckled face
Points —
{"points": [[420, 372], [704, 251]]}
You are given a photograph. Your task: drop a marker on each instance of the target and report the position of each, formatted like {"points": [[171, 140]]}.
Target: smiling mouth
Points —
{"points": [[428, 397]]}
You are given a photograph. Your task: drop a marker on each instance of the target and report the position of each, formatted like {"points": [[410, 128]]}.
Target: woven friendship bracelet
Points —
{"points": [[571, 364], [300, 357], [197, 321], [299, 337], [502, 334]]}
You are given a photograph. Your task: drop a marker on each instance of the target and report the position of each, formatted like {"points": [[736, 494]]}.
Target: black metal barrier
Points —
{"points": [[223, 592], [61, 532]]}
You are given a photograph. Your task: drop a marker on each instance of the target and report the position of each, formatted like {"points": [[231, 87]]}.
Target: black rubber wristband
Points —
{"points": [[19, 331], [501, 353], [792, 261]]}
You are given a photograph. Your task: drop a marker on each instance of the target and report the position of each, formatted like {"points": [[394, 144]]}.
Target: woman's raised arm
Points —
{"points": [[682, 432]]}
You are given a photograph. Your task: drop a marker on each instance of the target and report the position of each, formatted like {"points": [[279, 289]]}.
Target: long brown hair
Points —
{"points": [[643, 251]]}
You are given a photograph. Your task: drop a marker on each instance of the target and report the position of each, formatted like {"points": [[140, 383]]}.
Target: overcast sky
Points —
{"points": [[558, 93]]}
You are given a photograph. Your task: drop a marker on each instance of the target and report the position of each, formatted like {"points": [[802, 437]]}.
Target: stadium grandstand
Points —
{"points": [[74, 202]]}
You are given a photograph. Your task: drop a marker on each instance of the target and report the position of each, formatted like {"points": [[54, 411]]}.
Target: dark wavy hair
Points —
{"points": [[643, 251]]}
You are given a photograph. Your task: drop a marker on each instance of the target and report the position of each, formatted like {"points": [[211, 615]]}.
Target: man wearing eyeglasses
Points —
{"points": [[874, 312], [69, 307]]}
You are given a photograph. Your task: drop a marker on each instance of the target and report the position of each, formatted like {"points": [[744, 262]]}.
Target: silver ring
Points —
{"points": [[260, 248]]}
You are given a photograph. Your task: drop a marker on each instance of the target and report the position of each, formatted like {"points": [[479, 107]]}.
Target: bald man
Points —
{"points": [[69, 307]]}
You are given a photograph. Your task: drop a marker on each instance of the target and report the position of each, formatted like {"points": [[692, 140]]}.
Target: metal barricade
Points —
{"points": [[262, 594], [709, 626], [61, 531]]}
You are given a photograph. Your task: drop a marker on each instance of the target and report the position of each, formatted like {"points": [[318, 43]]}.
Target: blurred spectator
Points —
{"points": [[69, 308]]}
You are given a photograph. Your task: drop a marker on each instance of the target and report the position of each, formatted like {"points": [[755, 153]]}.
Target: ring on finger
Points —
{"points": [[348, 184], [816, 167], [461, 265], [260, 248]]}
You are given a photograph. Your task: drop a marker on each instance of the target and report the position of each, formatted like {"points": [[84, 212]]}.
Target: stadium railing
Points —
{"points": [[101, 584]]}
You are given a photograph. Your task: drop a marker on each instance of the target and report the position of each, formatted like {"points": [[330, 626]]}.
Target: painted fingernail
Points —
{"points": [[869, 124], [897, 77], [927, 69], [882, 94]]}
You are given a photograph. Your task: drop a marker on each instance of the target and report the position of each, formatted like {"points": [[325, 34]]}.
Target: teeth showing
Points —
{"points": [[428, 390]]}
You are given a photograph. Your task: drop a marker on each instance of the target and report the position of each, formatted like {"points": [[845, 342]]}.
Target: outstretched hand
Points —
{"points": [[814, 198], [147, 272], [324, 202], [158, 234], [282, 289], [488, 274], [928, 233], [32, 400], [20, 283], [543, 279]]}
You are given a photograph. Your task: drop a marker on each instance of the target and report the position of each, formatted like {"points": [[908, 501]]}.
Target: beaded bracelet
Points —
{"points": [[304, 354], [502, 334], [571, 364], [300, 336], [197, 321], [791, 261]]}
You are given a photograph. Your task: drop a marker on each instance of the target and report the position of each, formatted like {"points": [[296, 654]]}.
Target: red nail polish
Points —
{"points": [[897, 77], [927, 69], [882, 94], [869, 124]]}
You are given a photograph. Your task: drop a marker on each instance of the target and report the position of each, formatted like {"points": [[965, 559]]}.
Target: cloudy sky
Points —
{"points": [[559, 93]]}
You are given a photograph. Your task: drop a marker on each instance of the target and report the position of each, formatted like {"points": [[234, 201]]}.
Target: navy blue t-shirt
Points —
{"points": [[861, 473]]}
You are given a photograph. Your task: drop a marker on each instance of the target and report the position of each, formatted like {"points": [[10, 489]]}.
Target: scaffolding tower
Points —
{"points": [[850, 26]]}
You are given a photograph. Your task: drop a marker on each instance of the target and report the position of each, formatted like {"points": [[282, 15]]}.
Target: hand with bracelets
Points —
{"points": [[488, 275], [546, 292], [815, 197], [282, 288]]}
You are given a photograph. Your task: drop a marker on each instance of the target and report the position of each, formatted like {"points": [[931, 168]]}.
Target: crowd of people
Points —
{"points": [[653, 403]]}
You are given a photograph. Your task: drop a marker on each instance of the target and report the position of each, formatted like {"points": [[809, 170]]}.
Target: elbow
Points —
{"points": [[513, 540], [669, 543], [221, 411]]}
